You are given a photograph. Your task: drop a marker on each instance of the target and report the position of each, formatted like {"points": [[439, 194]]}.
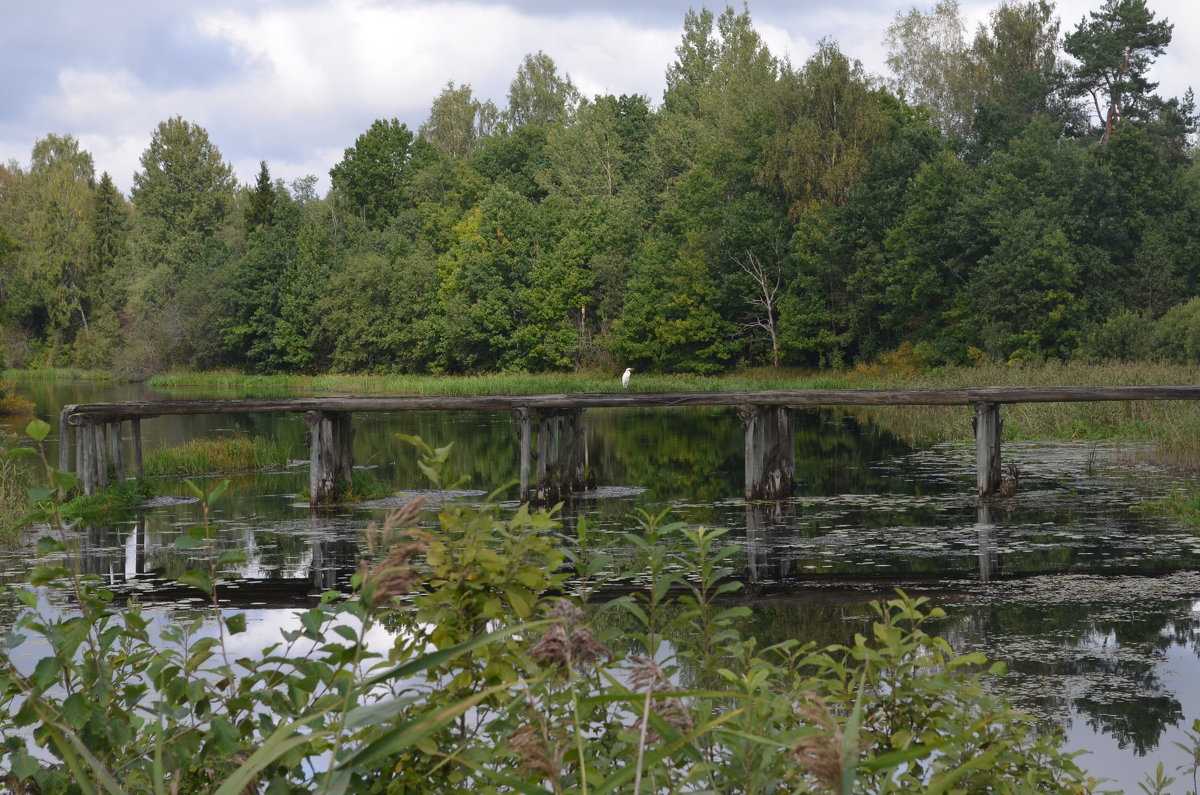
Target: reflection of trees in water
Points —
{"points": [[1117, 658]]}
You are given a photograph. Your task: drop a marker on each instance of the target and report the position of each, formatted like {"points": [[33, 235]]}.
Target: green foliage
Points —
{"points": [[373, 172], [108, 504], [764, 213], [1124, 337], [225, 454]]}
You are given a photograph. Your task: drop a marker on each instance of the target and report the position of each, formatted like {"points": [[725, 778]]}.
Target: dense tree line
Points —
{"points": [[1022, 192]]}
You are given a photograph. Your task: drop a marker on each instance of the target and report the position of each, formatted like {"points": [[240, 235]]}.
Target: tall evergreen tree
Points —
{"points": [[1115, 50], [260, 204]]}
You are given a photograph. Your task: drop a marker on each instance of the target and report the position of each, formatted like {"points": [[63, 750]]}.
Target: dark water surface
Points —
{"points": [[1095, 607]]}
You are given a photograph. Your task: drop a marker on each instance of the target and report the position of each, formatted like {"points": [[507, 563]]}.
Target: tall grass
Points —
{"points": [[503, 383], [218, 455], [1173, 426], [14, 498], [62, 374]]}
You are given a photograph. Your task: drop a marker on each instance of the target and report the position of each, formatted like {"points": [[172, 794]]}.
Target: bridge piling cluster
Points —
{"points": [[99, 448], [770, 451], [555, 467]]}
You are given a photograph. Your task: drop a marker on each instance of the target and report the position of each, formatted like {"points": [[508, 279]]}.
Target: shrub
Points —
{"points": [[1124, 337]]}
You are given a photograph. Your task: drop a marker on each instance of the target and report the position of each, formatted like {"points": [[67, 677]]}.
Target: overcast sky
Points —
{"points": [[294, 82]]}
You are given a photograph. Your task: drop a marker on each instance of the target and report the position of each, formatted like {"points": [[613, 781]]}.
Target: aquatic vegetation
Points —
{"points": [[220, 455], [495, 678], [14, 482]]}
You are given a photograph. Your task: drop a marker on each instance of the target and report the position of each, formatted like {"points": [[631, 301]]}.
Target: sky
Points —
{"points": [[295, 82]]}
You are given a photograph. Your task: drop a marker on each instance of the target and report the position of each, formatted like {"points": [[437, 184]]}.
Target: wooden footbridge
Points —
{"points": [[550, 428]]}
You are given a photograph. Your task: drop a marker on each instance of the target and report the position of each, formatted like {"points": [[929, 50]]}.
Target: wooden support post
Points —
{"points": [[135, 426], [90, 462], [64, 439], [987, 425], [525, 430], [344, 446], [573, 465], [543, 425], [83, 458], [752, 422], [329, 457], [770, 452], [100, 458], [115, 448]]}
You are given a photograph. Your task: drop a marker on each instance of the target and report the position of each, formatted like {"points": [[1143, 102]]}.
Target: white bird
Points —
{"points": [[625, 378]]}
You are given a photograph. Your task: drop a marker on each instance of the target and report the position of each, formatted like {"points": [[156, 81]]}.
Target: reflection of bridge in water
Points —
{"points": [[133, 560], [770, 528]]}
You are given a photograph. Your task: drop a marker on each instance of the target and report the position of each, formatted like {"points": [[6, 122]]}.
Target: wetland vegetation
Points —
{"points": [[496, 675]]}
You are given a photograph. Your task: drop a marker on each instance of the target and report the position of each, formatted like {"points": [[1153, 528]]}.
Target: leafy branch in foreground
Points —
{"points": [[492, 677]]}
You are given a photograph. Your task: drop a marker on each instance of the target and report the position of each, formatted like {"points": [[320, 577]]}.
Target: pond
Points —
{"points": [[1094, 606]]}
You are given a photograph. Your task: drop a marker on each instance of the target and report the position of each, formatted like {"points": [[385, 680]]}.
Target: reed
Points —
{"points": [[1173, 426], [218, 456], [42, 374], [14, 497]]}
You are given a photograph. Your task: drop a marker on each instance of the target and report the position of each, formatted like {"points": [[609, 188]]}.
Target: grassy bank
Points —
{"points": [[499, 383], [221, 455]]}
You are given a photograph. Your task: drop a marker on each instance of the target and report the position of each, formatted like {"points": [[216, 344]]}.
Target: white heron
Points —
{"points": [[625, 378]]}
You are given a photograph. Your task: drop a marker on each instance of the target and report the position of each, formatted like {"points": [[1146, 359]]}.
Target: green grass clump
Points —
{"points": [[1184, 505], [218, 456], [107, 505]]}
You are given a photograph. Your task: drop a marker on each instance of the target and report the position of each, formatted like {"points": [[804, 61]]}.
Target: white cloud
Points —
{"points": [[295, 84]]}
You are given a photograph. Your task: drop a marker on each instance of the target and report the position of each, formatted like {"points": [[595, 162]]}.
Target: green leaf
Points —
{"points": [[48, 544], [188, 542], [217, 491], [236, 623], [20, 451], [64, 480], [76, 710], [46, 672], [194, 489], [393, 741], [232, 556], [39, 493], [378, 713], [37, 430], [197, 579], [281, 741], [42, 575], [444, 655]]}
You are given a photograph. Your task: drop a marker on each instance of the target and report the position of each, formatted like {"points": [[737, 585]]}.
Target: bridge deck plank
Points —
{"points": [[804, 397]]}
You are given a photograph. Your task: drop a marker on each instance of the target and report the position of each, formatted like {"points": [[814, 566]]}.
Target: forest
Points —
{"points": [[1019, 192]]}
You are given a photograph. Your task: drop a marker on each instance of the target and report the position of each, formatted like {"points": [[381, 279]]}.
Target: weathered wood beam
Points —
{"points": [[116, 448], [987, 425], [64, 439], [135, 427], [810, 397], [524, 419]]}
